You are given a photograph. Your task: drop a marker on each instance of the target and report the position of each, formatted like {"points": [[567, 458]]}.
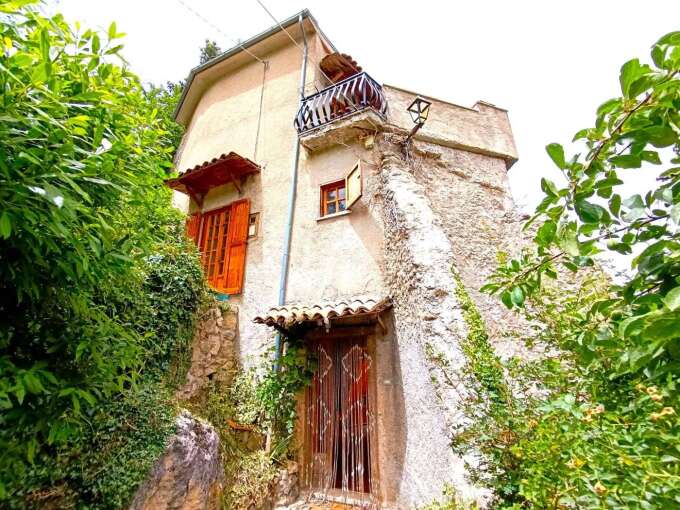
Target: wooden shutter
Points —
{"points": [[353, 185], [235, 260], [194, 226]]}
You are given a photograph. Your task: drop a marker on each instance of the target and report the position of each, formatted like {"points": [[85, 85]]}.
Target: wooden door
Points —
{"points": [[339, 418]]}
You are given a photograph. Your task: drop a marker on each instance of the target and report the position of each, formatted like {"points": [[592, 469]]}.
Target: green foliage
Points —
{"points": [[163, 99], [209, 51], [111, 458], [278, 391], [98, 284], [602, 429], [262, 402], [450, 501], [482, 363]]}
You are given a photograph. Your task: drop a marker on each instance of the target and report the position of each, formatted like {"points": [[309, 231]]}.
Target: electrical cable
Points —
{"points": [[293, 39], [219, 30]]}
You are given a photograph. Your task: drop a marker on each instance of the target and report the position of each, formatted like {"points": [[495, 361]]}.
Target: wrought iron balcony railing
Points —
{"points": [[348, 96]]}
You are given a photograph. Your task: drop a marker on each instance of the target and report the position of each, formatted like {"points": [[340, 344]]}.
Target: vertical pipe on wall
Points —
{"points": [[285, 257]]}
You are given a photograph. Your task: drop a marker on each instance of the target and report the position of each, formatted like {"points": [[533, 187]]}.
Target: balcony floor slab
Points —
{"points": [[343, 130]]}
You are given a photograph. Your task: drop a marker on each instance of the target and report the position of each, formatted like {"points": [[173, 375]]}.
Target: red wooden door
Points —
{"points": [[339, 417]]}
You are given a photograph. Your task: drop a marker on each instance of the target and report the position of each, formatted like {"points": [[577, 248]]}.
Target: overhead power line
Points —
{"points": [[219, 30], [292, 38]]}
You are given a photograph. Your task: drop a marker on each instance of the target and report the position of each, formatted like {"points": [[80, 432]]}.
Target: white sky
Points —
{"points": [[550, 63]]}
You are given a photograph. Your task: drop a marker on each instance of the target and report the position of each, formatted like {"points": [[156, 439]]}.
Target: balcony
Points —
{"points": [[351, 95]]}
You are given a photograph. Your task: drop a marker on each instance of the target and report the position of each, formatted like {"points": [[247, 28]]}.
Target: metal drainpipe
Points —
{"points": [[285, 257]]}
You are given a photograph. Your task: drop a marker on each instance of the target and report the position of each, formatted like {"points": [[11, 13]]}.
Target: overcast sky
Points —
{"points": [[550, 63]]}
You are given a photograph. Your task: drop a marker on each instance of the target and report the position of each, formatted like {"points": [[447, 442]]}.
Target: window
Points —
{"points": [[221, 237], [253, 225], [333, 198], [339, 196]]}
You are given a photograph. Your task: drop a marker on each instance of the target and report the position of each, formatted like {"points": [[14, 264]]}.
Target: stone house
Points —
{"points": [[318, 203]]}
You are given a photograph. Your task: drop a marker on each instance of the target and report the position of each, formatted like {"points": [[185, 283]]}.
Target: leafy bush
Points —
{"points": [[600, 428], [104, 466], [98, 284], [262, 402]]}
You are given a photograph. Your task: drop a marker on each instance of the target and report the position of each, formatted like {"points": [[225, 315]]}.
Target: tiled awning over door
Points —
{"points": [[323, 312]]}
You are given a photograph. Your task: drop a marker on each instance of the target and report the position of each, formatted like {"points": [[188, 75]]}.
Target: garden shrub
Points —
{"points": [[597, 425], [98, 284]]}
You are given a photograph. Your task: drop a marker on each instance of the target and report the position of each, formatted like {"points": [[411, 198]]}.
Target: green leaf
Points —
{"points": [[5, 225], [670, 38], [658, 56], [566, 235], [112, 30], [672, 299], [626, 161], [87, 396], [517, 296], [615, 205], [661, 136], [506, 299], [583, 133], [623, 248], [675, 214], [546, 233], [556, 153], [664, 327], [631, 71], [45, 44], [548, 187], [589, 213], [33, 384], [608, 106], [20, 391], [651, 157], [30, 450]]}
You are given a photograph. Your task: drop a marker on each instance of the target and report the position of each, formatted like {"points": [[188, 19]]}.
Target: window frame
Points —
{"points": [[230, 248], [323, 203]]}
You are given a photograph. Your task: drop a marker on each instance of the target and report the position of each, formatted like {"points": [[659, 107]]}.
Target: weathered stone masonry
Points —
{"points": [[213, 350]]}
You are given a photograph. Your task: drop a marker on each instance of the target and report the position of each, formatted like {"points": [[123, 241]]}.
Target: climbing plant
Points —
{"points": [[601, 427], [279, 390]]}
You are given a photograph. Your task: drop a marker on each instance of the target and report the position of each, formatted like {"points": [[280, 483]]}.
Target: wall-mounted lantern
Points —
{"points": [[419, 110]]}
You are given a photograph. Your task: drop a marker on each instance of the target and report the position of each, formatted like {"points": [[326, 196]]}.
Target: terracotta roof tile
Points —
{"points": [[325, 311]]}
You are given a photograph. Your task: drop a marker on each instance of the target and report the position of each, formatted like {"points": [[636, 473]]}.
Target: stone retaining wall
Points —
{"points": [[213, 350]]}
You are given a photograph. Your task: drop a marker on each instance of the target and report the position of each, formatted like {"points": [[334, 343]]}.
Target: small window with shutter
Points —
{"points": [[339, 196], [221, 236]]}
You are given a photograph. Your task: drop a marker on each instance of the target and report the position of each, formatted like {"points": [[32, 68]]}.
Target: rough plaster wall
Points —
{"points": [[341, 256], [484, 128], [428, 318], [470, 196], [332, 258], [390, 413]]}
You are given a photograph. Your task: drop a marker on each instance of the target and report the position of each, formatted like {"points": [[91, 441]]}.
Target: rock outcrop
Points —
{"points": [[189, 475]]}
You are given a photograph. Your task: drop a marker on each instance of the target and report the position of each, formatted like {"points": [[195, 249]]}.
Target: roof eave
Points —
{"points": [[247, 44]]}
